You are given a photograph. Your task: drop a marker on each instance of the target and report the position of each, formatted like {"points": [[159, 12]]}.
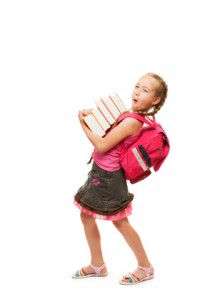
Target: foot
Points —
{"points": [[91, 271], [139, 275]]}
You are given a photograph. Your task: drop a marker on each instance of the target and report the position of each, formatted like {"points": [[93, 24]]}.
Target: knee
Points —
{"points": [[121, 224]]}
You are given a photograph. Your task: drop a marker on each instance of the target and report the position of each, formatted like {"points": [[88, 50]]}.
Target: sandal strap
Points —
{"points": [[98, 269], [131, 277], [146, 270], [134, 277]]}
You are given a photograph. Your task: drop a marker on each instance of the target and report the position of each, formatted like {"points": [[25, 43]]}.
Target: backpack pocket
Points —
{"points": [[135, 166]]}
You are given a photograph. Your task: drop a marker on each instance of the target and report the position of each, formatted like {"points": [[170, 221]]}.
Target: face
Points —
{"points": [[144, 93]]}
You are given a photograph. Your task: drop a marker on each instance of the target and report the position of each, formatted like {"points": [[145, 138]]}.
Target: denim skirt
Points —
{"points": [[104, 192]]}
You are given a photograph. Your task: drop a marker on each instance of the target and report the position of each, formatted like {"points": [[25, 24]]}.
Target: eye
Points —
{"points": [[145, 90]]}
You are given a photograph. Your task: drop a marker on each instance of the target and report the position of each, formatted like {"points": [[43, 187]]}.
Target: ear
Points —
{"points": [[157, 100]]}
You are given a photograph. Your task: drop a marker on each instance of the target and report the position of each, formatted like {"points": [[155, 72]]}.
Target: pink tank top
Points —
{"points": [[109, 160]]}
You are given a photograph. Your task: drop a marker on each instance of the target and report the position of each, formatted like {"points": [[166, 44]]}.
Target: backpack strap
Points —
{"points": [[147, 120]]}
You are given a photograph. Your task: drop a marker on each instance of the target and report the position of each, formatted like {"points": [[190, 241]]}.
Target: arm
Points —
{"points": [[127, 127]]}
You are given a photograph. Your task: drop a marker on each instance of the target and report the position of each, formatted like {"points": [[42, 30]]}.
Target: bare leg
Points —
{"points": [[94, 242], [133, 240]]}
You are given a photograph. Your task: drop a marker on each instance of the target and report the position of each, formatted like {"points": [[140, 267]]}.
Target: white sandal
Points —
{"points": [[131, 278], [97, 272]]}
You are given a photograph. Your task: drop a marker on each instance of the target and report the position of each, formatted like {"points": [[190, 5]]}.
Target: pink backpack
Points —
{"points": [[148, 151]]}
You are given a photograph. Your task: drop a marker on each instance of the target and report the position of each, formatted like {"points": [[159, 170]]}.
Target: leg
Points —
{"points": [[133, 240], [94, 242]]}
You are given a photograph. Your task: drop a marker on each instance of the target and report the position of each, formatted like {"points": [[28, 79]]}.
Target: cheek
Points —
{"points": [[146, 103]]}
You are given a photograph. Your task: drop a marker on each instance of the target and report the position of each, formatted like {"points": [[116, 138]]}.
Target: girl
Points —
{"points": [[105, 193]]}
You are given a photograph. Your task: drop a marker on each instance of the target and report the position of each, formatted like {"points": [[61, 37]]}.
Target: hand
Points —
{"points": [[83, 113]]}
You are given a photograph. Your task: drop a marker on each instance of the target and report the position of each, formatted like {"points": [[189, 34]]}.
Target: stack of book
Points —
{"points": [[108, 110]]}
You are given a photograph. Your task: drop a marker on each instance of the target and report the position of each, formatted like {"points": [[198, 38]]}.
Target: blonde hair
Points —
{"points": [[161, 92]]}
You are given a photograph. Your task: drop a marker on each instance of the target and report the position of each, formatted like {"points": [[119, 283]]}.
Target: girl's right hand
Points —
{"points": [[86, 111], [83, 113]]}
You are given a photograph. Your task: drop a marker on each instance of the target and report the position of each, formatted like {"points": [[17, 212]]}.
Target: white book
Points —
{"points": [[93, 124], [105, 111], [118, 102], [101, 119], [111, 107], [108, 110]]}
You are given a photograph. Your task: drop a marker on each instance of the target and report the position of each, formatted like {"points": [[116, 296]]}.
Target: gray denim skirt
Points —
{"points": [[104, 192]]}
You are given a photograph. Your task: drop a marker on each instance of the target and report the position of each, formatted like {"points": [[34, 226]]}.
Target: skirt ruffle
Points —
{"points": [[118, 216]]}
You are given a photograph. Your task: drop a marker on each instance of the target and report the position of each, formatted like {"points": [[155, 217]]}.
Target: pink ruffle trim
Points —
{"points": [[118, 216]]}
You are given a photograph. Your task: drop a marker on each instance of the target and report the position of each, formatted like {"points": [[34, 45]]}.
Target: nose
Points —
{"points": [[137, 91]]}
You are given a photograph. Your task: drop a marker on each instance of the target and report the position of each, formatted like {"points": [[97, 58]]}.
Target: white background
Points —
{"points": [[57, 57]]}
